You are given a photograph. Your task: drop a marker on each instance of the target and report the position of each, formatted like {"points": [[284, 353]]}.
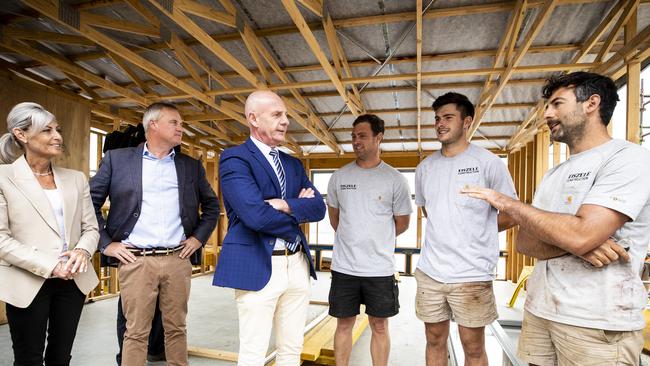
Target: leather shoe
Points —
{"points": [[156, 358]]}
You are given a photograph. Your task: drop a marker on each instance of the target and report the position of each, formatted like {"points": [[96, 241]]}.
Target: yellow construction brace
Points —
{"points": [[523, 276]]}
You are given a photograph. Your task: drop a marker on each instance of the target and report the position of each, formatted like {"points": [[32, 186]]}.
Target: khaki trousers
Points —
{"points": [[282, 305], [141, 282]]}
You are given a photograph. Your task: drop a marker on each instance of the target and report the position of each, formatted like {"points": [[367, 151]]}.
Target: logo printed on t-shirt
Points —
{"points": [[346, 187], [472, 170], [576, 177]]}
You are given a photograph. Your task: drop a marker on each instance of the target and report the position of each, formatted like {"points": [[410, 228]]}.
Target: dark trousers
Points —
{"points": [[156, 335], [56, 310]]}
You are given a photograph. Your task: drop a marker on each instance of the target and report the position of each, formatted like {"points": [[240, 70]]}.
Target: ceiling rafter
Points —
{"points": [[206, 12], [340, 60], [312, 42], [51, 10], [176, 14], [311, 123], [525, 131], [71, 68], [122, 65], [506, 46], [82, 84], [105, 22], [630, 9], [397, 77], [413, 127], [385, 89], [418, 70], [542, 16], [43, 36]]}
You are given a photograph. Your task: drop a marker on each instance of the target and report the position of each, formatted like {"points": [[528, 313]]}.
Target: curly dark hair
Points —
{"points": [[586, 84]]}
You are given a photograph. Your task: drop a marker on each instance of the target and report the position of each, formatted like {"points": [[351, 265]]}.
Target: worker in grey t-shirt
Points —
{"points": [[461, 245], [594, 206], [369, 205]]}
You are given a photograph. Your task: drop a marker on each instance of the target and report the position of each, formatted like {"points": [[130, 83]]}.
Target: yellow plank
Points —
{"points": [[359, 327], [212, 353], [316, 338]]}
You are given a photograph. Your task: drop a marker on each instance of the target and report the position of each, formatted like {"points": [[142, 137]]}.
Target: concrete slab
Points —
{"points": [[212, 323]]}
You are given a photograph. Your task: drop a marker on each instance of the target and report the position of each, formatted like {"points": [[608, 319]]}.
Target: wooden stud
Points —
{"points": [[633, 127]]}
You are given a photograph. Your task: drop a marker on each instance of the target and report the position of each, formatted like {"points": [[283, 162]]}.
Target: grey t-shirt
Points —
{"points": [[569, 290], [461, 242], [367, 200]]}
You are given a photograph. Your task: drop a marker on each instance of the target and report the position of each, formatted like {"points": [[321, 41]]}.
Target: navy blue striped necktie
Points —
{"points": [[280, 171], [283, 187]]}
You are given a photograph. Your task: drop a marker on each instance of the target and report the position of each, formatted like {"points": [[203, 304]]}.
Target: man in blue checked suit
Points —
{"points": [[265, 256]]}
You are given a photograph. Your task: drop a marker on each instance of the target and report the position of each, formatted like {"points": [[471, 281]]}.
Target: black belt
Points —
{"points": [[286, 251], [154, 252]]}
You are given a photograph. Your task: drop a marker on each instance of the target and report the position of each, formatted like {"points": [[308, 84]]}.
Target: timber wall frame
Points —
{"points": [[212, 105]]}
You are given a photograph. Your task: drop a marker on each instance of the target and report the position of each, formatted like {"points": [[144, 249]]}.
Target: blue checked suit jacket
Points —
{"points": [[247, 179]]}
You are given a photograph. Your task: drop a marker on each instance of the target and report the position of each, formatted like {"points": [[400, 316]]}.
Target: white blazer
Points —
{"points": [[30, 242]]}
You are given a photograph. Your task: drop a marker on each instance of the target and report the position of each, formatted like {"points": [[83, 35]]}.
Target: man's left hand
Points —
{"points": [[191, 245], [494, 198]]}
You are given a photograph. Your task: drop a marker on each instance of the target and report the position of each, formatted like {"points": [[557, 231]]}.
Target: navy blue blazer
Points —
{"points": [[247, 179], [120, 179]]}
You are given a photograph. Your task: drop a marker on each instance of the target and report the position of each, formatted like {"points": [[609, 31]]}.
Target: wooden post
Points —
{"points": [[633, 131]]}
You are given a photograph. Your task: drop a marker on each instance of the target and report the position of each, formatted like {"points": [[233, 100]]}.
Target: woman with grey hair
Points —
{"points": [[48, 232]]}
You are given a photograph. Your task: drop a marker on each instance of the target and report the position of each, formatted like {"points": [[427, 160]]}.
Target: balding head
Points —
{"points": [[266, 115]]}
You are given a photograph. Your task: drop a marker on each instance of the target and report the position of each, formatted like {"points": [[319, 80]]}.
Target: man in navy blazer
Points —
{"points": [[265, 255], [153, 229]]}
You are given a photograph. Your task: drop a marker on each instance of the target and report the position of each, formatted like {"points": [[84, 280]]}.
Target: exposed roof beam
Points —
{"points": [[406, 76], [311, 123], [315, 6], [630, 9], [71, 68], [81, 84], [118, 25], [42, 36], [340, 60], [361, 63], [175, 42], [379, 90], [599, 32], [500, 137], [638, 45], [542, 16], [506, 46], [414, 110], [313, 44], [418, 68], [206, 12], [122, 65], [176, 14], [52, 11], [145, 13], [412, 127], [526, 129]]}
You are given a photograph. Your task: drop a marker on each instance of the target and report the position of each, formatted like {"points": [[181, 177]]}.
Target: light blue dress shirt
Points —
{"points": [[159, 223]]}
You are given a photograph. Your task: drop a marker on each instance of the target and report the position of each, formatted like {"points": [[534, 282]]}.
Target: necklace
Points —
{"points": [[42, 174]]}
